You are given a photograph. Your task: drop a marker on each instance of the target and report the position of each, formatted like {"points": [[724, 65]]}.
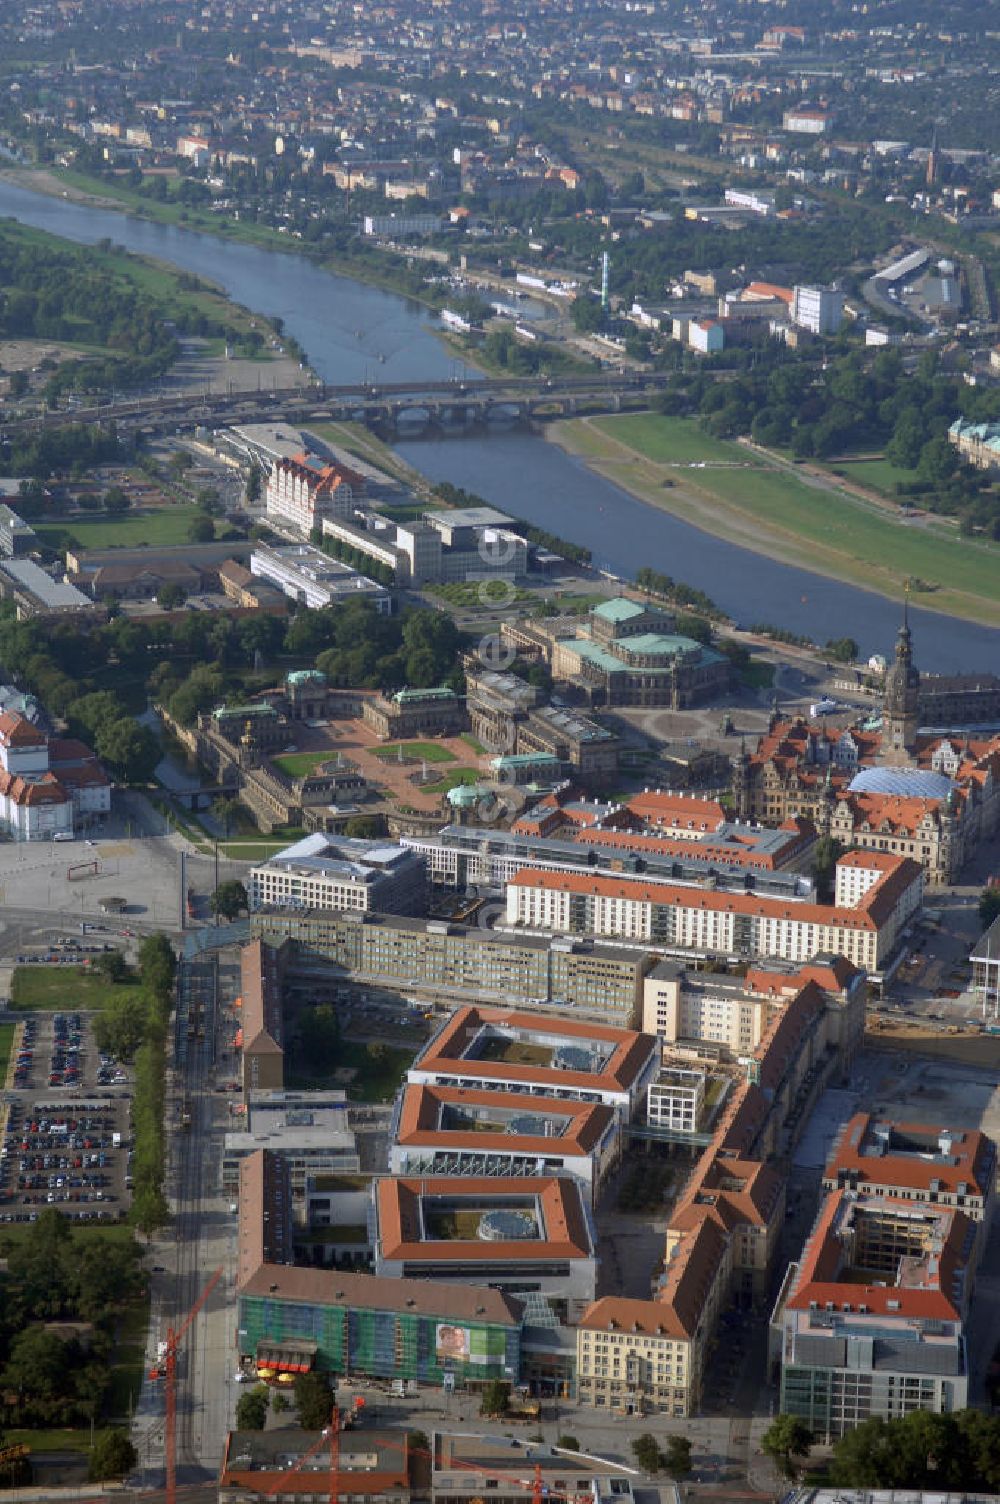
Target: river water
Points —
{"points": [[355, 333]]}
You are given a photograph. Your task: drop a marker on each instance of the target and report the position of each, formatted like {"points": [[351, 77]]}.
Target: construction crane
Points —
{"points": [[169, 1371]]}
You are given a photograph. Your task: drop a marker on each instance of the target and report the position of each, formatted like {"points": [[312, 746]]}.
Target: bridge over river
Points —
{"points": [[393, 405]]}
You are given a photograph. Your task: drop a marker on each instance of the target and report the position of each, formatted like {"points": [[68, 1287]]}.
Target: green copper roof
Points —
{"points": [[618, 609]]}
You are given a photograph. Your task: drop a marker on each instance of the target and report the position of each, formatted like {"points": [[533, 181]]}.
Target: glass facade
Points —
{"points": [[383, 1344]]}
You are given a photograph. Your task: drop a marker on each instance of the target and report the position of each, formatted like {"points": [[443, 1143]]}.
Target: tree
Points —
{"points": [[112, 965], [115, 501], [170, 595], [131, 750], [568, 1443], [313, 1400], [229, 899], [120, 1027], [201, 529], [786, 1438], [646, 1451], [111, 1456], [677, 1457], [251, 1409], [989, 906], [149, 1211], [495, 1398]]}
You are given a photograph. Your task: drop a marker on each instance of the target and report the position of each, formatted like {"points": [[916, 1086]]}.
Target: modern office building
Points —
{"points": [[448, 1130], [17, 537], [486, 1049], [338, 872], [441, 962], [309, 1130], [676, 1100], [820, 310], [530, 1237], [871, 1321], [750, 860], [306, 574], [341, 1323]]}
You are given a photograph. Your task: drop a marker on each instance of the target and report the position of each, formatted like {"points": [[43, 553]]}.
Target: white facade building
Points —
{"points": [[303, 490], [820, 310], [47, 785], [676, 1100], [307, 575]]}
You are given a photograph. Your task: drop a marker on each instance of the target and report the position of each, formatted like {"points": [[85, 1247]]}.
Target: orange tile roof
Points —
{"points": [[679, 810], [628, 1060], [818, 1281], [399, 1199], [970, 1162], [873, 908], [584, 1124]]}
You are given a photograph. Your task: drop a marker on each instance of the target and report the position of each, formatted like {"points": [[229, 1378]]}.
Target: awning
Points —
{"points": [[286, 1357]]}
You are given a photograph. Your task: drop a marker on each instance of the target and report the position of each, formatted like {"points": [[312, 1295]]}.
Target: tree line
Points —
{"points": [[954, 1452]]}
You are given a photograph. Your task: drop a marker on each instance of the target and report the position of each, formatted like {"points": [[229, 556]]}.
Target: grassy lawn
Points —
{"points": [[451, 780], [48, 1441], [881, 475], [474, 743], [480, 593], [416, 752], [158, 527], [298, 764], [98, 1232], [773, 510], [669, 441], [53, 988], [6, 1045]]}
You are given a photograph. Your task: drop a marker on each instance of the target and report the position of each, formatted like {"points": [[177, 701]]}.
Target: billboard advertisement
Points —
{"points": [[451, 1343]]}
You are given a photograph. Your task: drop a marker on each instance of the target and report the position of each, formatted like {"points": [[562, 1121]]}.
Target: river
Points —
{"points": [[353, 333]]}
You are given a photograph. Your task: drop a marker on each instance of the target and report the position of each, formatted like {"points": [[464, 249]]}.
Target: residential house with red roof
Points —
{"points": [[48, 785]]}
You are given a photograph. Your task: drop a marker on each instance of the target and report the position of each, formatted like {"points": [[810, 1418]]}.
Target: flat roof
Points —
{"points": [[54, 593]]}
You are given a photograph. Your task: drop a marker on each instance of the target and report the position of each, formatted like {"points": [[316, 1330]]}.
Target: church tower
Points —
{"points": [[901, 704]]}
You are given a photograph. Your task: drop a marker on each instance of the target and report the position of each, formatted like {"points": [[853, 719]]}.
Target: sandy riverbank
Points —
{"points": [[675, 490]]}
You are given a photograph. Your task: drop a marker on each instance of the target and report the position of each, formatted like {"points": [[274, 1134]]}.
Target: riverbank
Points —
{"points": [[92, 192], [734, 494]]}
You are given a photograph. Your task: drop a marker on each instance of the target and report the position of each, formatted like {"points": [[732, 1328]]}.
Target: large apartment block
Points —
{"points": [[445, 962], [739, 926]]}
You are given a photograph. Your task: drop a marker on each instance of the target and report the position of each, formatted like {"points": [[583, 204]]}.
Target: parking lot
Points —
{"points": [[66, 1124]]}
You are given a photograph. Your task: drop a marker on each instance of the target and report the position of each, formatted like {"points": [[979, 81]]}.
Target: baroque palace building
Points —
{"points": [[906, 789]]}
